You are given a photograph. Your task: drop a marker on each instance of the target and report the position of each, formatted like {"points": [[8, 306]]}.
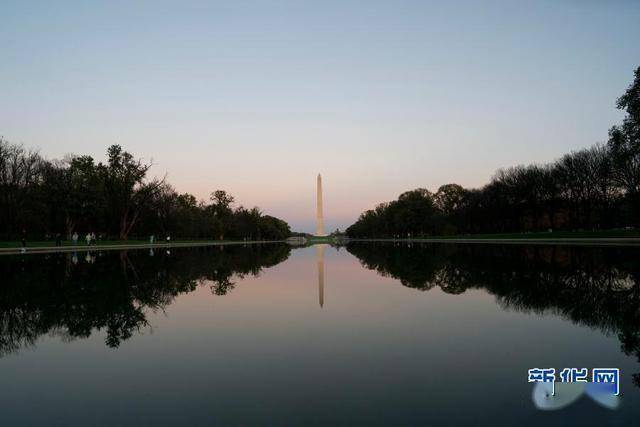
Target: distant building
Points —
{"points": [[297, 240]]}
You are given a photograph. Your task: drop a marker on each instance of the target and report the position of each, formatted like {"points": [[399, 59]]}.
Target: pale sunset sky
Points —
{"points": [[257, 97]]}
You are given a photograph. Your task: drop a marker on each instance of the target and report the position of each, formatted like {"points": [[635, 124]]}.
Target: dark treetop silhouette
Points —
{"points": [[593, 188], [114, 199]]}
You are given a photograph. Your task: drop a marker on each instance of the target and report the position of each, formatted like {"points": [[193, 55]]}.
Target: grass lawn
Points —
{"points": [[50, 243], [546, 235]]}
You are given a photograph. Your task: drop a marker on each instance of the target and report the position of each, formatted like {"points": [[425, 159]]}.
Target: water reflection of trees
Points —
{"points": [[594, 286], [57, 294]]}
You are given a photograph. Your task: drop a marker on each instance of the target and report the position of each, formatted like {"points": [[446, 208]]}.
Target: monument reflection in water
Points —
{"points": [[234, 335]]}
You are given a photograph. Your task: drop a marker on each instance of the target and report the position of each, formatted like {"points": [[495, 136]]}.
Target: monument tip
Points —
{"points": [[319, 214]]}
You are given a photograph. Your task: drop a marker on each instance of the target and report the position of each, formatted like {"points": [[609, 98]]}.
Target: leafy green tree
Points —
{"points": [[20, 177], [449, 198], [221, 209], [126, 189], [624, 142]]}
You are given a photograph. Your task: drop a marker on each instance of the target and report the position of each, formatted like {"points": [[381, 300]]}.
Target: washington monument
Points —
{"points": [[319, 215]]}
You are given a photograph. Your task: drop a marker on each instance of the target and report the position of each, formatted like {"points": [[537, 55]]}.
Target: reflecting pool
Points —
{"points": [[362, 334]]}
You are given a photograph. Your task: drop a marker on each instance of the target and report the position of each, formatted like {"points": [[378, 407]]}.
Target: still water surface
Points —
{"points": [[367, 334]]}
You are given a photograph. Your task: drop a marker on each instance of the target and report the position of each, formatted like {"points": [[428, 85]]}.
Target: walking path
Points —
{"points": [[592, 241], [120, 246], [600, 241]]}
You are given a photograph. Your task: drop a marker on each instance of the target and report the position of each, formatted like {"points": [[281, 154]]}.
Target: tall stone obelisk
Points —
{"points": [[319, 215]]}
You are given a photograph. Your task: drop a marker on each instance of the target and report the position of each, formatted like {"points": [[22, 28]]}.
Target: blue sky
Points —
{"points": [[257, 97]]}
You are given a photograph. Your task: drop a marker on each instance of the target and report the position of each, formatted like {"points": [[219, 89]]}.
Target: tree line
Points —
{"points": [[114, 199], [593, 188]]}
